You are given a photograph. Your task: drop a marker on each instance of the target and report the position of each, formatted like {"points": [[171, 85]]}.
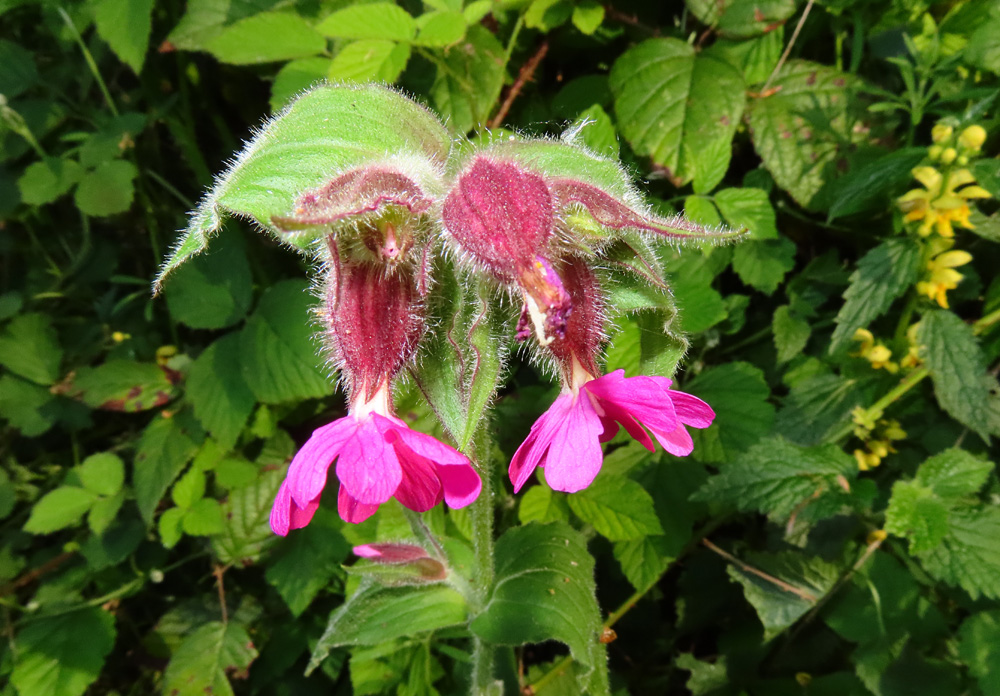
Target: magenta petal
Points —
{"points": [[419, 488], [308, 470], [461, 484], [574, 454], [691, 410], [367, 466], [678, 442], [424, 445], [351, 510], [640, 397], [531, 451], [287, 515], [390, 553]]}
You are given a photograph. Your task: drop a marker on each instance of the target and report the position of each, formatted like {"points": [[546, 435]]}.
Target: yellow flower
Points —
{"points": [[972, 138], [912, 358], [943, 276], [939, 203], [877, 354], [941, 133]]}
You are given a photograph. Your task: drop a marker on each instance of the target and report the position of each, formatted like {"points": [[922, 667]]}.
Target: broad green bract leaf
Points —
{"points": [[326, 131], [544, 590], [674, 105]]}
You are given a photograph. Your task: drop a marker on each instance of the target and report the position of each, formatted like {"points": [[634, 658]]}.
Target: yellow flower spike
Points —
{"points": [[861, 457], [972, 138], [941, 133], [949, 155], [928, 176]]}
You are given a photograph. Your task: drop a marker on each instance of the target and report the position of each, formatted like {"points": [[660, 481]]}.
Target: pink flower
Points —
{"points": [[378, 457], [567, 439]]}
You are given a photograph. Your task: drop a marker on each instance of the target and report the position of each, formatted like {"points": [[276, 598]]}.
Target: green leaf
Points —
{"points": [[218, 392], [204, 518], [328, 130], [320, 548], [278, 355], [103, 513], [30, 348], [979, 648], [741, 19], [969, 554], [779, 478], [44, 182], [206, 19], [588, 16], [738, 393], [882, 275], [200, 664], [798, 130], [870, 186], [791, 333], [541, 504], [748, 208], [166, 446], [375, 60], [246, 513], [755, 57], [58, 509], [546, 15], [617, 507], [102, 473], [377, 20], [171, 526], [805, 582], [544, 590], [20, 73], [26, 405], [295, 77], [123, 385], [983, 49], [954, 473], [214, 290], [597, 131], [440, 28], [673, 104], [108, 189], [62, 655], [126, 25], [468, 81], [189, 489], [375, 614], [763, 265], [915, 513], [644, 560], [267, 37]]}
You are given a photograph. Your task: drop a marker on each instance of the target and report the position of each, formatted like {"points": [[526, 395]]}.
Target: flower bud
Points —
{"points": [[934, 152], [940, 133], [972, 138], [949, 155]]}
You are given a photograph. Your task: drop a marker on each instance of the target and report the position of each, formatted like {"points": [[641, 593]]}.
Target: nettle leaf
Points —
{"points": [[763, 265], [742, 19], [326, 131], [221, 398], [62, 655], [957, 366], [644, 560], [375, 614], [201, 664], [278, 353], [306, 561], [969, 554], [214, 290], [166, 446], [954, 473], [123, 385], [870, 186], [738, 393], [882, 275], [377, 20], [675, 105], [791, 333], [29, 347], [246, 513], [544, 590], [374, 60], [779, 478], [469, 78], [805, 582], [798, 129], [818, 405], [126, 25], [267, 37], [617, 507]]}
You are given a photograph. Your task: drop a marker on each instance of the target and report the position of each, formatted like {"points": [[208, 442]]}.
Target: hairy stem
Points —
{"points": [[483, 653]]}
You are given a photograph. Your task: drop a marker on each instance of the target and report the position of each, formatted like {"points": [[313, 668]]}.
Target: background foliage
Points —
{"points": [[143, 439]]}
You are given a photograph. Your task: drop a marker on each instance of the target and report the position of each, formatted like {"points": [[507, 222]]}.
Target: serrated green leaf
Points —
{"points": [[957, 367], [102, 473], [30, 348], [26, 405], [171, 527], [915, 513], [203, 518], [125, 25], [969, 554], [954, 473], [983, 49], [468, 80], [617, 507], [791, 333], [799, 129], [779, 478], [777, 606], [123, 385], [62, 655], [206, 19], [882, 275], [218, 392], [19, 72], [756, 57], [58, 509], [189, 489], [706, 676], [367, 60], [44, 182], [546, 15], [979, 648], [320, 548], [870, 186], [541, 504], [103, 513], [107, 190], [644, 560], [278, 355], [295, 77], [166, 446], [748, 208], [267, 37], [246, 513], [741, 19], [763, 265], [544, 590], [672, 103], [597, 131], [738, 393], [377, 20], [440, 28], [201, 663]]}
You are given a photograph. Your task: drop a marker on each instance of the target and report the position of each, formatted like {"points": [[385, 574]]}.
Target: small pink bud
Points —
{"points": [[390, 553], [410, 564]]}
